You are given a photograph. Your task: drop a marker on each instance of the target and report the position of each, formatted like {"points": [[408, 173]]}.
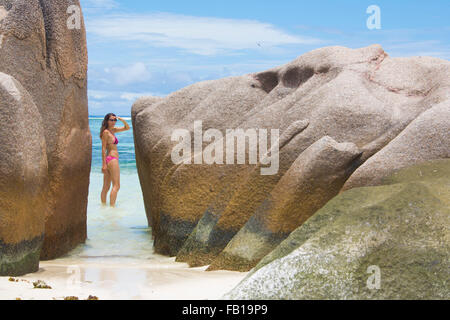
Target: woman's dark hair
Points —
{"points": [[105, 123]]}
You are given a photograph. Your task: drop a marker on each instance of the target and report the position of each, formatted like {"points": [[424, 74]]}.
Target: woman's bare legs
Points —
{"points": [[114, 171], [106, 186]]}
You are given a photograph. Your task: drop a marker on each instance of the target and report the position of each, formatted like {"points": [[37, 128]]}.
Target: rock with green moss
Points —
{"points": [[385, 242]]}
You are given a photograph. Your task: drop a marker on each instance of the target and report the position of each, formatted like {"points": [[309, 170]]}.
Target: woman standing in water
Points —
{"points": [[110, 169]]}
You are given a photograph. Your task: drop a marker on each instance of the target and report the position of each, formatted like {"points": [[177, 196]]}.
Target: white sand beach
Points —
{"points": [[165, 280], [118, 261]]}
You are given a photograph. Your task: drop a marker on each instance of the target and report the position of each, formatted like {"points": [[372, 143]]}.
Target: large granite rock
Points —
{"points": [[314, 178], [384, 242], [23, 180], [427, 137], [361, 97], [50, 61]]}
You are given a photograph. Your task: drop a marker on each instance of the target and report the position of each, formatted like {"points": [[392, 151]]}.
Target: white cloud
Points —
{"points": [[432, 48], [134, 73], [118, 95], [97, 95], [199, 35], [104, 101], [133, 96], [99, 4]]}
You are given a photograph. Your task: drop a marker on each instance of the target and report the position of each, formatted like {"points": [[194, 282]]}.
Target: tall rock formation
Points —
{"points": [[49, 59], [23, 180], [230, 216]]}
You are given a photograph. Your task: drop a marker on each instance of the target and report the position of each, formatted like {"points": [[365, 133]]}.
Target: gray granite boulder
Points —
{"points": [[385, 242]]}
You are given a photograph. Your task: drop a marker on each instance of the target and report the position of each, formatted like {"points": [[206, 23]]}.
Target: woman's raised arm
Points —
{"points": [[122, 129]]}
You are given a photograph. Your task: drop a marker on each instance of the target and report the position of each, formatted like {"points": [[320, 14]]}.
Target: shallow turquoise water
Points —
{"points": [[119, 233], [125, 147], [118, 261]]}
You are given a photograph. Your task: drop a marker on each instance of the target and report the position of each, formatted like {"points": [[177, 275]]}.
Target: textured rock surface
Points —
{"points": [[427, 137], [361, 96], [23, 180], [401, 228], [313, 179], [50, 62]]}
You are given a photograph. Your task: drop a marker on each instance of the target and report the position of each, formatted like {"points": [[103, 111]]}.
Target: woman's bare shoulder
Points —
{"points": [[106, 134]]}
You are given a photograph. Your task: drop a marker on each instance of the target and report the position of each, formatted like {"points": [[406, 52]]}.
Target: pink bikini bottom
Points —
{"points": [[109, 158]]}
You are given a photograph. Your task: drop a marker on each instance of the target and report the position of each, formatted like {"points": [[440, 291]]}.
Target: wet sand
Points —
{"points": [[165, 280]]}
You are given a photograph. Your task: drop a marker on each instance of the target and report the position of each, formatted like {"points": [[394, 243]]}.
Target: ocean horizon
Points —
{"points": [[126, 117]]}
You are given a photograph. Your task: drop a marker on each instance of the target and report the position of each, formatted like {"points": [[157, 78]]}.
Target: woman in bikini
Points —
{"points": [[110, 156]]}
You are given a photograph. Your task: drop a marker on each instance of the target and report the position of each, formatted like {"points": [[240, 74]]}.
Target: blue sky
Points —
{"points": [[144, 47]]}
